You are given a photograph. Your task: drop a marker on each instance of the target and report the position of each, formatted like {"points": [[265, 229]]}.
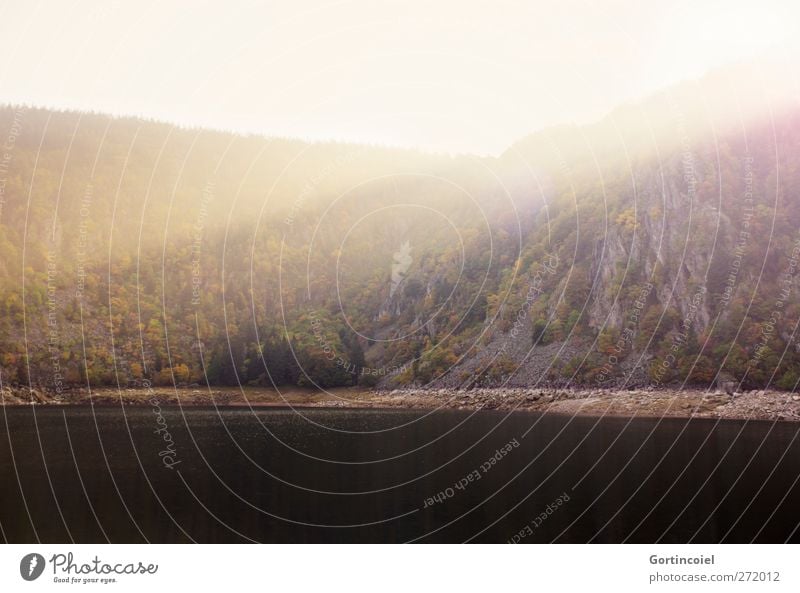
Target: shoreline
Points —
{"points": [[644, 403]]}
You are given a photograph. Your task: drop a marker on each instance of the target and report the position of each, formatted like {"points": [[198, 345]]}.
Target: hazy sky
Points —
{"points": [[452, 75]]}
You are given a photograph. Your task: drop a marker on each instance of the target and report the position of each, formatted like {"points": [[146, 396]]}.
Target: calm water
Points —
{"points": [[389, 476]]}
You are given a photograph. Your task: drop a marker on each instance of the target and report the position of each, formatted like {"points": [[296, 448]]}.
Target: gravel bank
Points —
{"points": [[768, 405]]}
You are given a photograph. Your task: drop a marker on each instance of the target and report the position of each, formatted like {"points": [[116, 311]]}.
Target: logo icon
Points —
{"points": [[31, 566]]}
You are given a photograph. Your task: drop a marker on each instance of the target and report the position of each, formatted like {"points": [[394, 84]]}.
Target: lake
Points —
{"points": [[340, 475]]}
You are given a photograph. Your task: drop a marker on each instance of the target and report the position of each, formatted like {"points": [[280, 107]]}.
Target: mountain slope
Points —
{"points": [[615, 254]]}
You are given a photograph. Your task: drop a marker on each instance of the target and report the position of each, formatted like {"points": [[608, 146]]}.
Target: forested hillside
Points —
{"points": [[615, 254]]}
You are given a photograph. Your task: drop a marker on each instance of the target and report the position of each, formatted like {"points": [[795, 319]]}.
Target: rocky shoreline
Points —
{"points": [[763, 405]]}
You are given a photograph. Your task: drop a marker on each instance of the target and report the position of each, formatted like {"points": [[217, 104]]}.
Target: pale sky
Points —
{"points": [[442, 75]]}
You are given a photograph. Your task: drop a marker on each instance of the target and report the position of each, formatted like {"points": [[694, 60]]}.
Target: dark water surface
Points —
{"points": [[83, 475]]}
